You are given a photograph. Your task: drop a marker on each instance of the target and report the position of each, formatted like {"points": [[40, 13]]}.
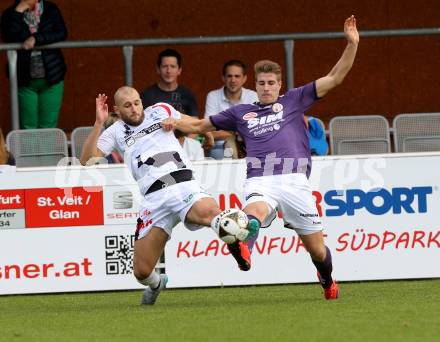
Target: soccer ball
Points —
{"points": [[233, 226]]}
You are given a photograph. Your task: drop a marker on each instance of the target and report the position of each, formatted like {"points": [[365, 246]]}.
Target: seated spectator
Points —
{"points": [[6, 158], [191, 147], [317, 138], [169, 68], [114, 157], [231, 93], [40, 73]]}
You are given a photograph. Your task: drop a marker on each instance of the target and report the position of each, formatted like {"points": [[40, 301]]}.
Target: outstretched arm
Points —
{"points": [[90, 148], [343, 66], [188, 124]]}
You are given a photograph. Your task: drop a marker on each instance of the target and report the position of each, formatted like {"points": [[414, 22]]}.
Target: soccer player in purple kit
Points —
{"points": [[278, 155]]}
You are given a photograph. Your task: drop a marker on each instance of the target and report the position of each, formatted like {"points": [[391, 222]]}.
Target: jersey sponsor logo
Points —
{"points": [[122, 200], [143, 132], [277, 107], [377, 202], [266, 120], [249, 116]]}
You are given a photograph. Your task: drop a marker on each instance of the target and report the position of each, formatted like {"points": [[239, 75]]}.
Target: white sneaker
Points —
{"points": [[149, 296]]}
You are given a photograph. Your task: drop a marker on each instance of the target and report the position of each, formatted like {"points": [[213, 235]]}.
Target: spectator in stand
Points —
{"points": [[317, 138], [169, 68], [6, 158], [40, 72], [231, 93], [191, 147]]}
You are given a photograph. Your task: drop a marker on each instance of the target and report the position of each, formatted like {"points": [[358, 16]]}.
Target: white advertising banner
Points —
{"points": [[68, 259], [72, 229], [379, 213]]}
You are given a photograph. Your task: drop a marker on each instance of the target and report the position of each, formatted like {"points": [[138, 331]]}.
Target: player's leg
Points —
{"points": [[147, 251], [257, 212], [203, 212], [260, 208], [241, 251], [322, 259], [300, 213], [261, 203]]}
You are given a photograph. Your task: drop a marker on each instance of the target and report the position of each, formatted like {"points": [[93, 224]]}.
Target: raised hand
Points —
{"points": [[350, 30], [101, 109]]}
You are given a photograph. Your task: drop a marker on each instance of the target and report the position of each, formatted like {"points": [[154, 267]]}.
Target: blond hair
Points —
{"points": [[267, 67], [4, 154]]}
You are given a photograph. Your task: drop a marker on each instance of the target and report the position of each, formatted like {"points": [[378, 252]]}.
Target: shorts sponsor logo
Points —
{"points": [[308, 215], [189, 198]]}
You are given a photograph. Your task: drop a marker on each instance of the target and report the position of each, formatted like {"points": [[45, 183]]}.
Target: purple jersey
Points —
{"points": [[275, 135]]}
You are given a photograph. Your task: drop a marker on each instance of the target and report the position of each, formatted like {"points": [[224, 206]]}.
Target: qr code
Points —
{"points": [[119, 254]]}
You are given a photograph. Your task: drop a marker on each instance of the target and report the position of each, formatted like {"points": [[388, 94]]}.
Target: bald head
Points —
{"points": [[122, 93], [128, 105]]}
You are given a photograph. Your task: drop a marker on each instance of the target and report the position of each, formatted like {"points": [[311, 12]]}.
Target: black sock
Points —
{"points": [[325, 269]]}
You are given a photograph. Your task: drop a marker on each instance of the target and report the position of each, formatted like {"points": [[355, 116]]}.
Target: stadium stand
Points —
{"points": [[78, 137], [37, 147], [360, 134], [417, 132]]}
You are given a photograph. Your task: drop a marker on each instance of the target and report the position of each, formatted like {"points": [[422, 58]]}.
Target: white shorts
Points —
{"points": [[167, 207], [291, 194]]}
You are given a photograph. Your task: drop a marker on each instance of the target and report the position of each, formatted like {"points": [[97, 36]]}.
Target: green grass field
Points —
{"points": [[368, 311]]}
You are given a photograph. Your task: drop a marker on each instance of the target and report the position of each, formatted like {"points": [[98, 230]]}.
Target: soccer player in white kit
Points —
{"points": [[164, 176], [278, 155]]}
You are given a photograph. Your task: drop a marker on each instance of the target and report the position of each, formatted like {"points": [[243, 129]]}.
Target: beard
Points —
{"points": [[133, 122]]}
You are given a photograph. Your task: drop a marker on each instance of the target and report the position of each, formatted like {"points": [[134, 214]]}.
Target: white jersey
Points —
{"points": [[149, 151]]}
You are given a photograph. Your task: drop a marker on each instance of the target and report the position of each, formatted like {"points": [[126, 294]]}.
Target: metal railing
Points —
{"points": [[128, 45]]}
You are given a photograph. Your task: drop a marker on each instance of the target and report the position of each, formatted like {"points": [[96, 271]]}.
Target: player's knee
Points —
{"points": [[259, 211], [142, 270], [318, 253]]}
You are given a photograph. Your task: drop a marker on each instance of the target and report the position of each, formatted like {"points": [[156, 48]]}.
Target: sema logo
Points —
{"points": [[264, 120], [376, 202]]}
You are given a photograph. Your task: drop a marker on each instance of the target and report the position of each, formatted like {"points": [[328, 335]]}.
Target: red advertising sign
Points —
{"points": [[11, 199], [56, 207]]}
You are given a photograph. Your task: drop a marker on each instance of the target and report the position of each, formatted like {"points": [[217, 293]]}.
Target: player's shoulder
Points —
{"points": [[160, 110], [117, 125], [245, 107], [300, 89]]}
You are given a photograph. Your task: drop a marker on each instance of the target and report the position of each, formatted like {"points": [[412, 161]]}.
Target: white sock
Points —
{"points": [[152, 280]]}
